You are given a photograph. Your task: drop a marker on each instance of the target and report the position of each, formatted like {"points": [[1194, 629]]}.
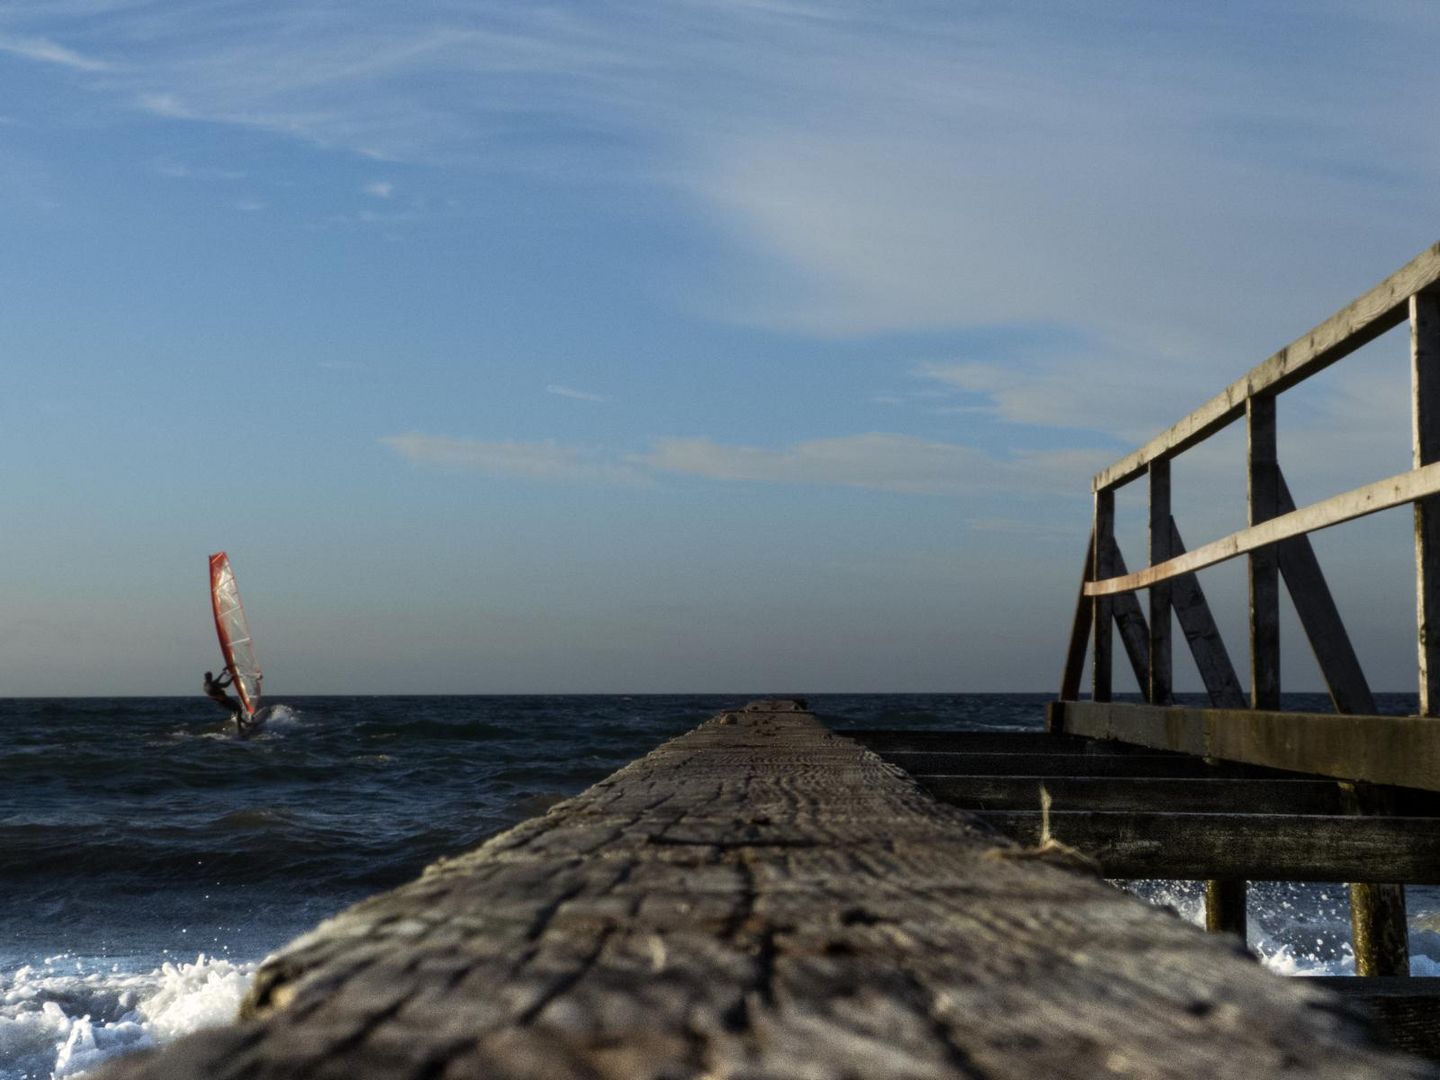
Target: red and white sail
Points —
{"points": [[234, 632]]}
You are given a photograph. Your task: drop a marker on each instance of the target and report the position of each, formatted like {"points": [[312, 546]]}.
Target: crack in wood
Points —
{"points": [[762, 899]]}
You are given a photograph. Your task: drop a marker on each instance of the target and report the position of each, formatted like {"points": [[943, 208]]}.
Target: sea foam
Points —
{"points": [[60, 1018]]}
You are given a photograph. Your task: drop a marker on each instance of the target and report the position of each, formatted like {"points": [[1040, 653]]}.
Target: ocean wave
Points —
{"points": [[61, 1018]]}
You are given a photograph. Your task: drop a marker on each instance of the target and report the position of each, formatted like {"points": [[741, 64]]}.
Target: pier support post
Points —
{"points": [[1225, 907], [1379, 928]]}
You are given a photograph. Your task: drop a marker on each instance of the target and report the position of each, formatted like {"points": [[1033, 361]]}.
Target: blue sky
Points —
{"points": [[757, 345]]}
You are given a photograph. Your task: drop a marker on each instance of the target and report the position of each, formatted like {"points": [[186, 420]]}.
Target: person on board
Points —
{"points": [[215, 691]]}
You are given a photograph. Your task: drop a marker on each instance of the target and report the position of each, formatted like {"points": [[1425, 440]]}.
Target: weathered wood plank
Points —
{"points": [[1364, 319], [1263, 503], [1399, 750], [886, 740], [1178, 795], [1384, 494], [1160, 690], [1425, 381], [939, 763], [1320, 617], [1255, 847], [762, 899], [1192, 611]]}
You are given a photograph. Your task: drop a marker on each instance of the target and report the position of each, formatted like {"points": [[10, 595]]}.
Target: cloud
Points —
{"points": [[167, 105], [179, 170], [46, 51], [545, 461], [249, 206], [380, 189], [882, 462], [571, 392], [876, 461], [1124, 396], [868, 169]]}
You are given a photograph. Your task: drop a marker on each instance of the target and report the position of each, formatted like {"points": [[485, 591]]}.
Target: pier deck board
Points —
{"points": [[762, 898]]}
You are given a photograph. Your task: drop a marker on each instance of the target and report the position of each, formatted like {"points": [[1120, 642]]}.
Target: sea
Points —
{"points": [[150, 860]]}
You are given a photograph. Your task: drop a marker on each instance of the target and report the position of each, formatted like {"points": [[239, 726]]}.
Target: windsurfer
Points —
{"points": [[215, 691]]}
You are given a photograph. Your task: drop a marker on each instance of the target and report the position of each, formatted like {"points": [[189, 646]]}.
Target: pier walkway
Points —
{"points": [[763, 898]]}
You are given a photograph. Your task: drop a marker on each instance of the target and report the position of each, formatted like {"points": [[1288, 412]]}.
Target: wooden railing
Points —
{"points": [[1359, 747]]}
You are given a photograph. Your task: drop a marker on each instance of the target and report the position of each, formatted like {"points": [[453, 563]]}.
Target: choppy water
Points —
{"points": [[149, 860]]}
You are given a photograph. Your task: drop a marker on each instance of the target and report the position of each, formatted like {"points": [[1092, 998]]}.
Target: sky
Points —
{"points": [[700, 345]]}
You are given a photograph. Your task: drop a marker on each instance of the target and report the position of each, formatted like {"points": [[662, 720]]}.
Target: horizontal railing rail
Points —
{"points": [[1363, 320], [1384, 494], [1362, 748]]}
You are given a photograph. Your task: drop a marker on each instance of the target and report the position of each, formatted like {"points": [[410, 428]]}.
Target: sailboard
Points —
{"points": [[234, 633]]}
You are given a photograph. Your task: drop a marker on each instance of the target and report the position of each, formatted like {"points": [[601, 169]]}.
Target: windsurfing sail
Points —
{"points": [[234, 633]]}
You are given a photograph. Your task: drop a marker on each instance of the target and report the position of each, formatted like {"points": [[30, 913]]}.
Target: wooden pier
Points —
{"points": [[1386, 834], [764, 898]]}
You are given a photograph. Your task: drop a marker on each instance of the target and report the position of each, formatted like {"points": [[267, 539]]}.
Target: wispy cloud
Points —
{"points": [[1113, 392], [876, 461], [249, 206], [545, 461], [900, 167], [879, 461], [380, 189], [570, 392], [179, 170], [45, 51]]}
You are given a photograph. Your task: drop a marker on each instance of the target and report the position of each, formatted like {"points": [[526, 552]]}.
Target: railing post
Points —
{"points": [[1160, 690], [1103, 634], [1425, 382], [1225, 900], [1264, 503]]}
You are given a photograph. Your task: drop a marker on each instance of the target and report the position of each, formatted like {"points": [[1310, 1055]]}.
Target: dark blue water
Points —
{"points": [[149, 859]]}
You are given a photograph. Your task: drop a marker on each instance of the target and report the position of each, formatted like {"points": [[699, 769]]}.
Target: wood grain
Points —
{"points": [[1425, 383], [1399, 750], [1255, 847], [1406, 487], [764, 899]]}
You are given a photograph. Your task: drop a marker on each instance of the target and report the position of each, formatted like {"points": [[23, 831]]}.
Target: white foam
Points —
{"points": [[1297, 928], [61, 1018], [282, 715], [277, 720]]}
